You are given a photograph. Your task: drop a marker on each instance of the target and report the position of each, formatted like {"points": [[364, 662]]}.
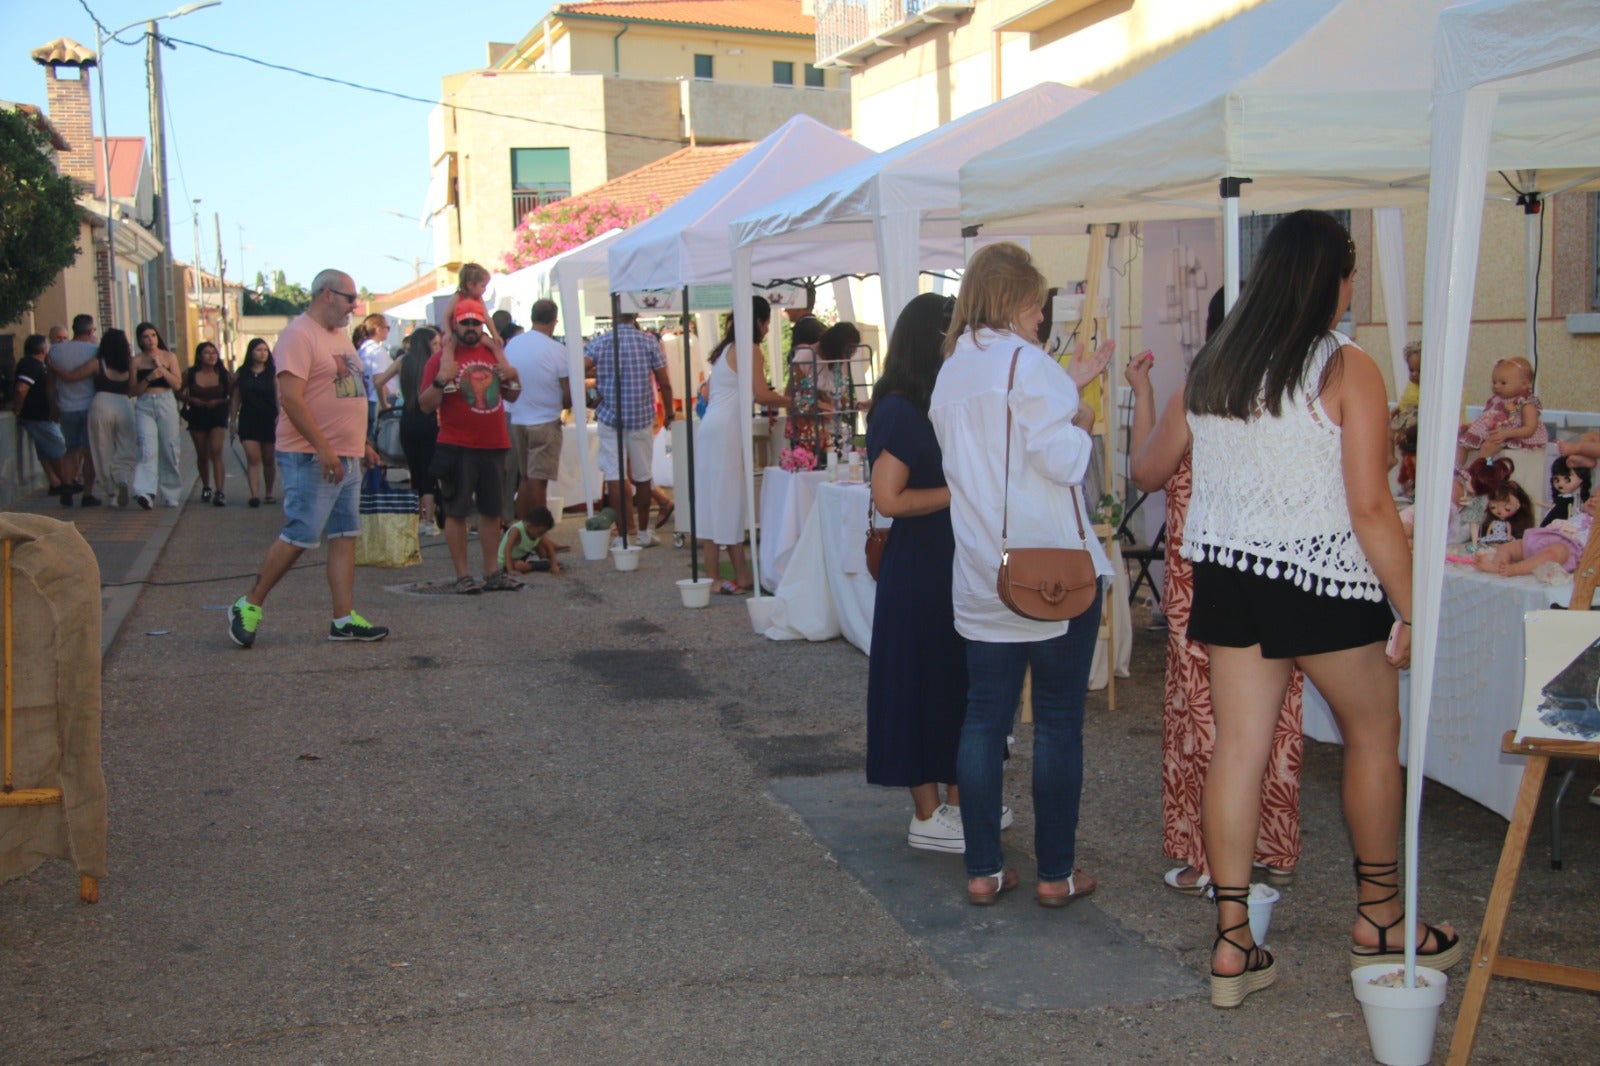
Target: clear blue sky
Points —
{"points": [[303, 166]]}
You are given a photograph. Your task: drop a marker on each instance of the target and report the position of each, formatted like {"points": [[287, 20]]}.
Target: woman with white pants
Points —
{"points": [[112, 436], [156, 415]]}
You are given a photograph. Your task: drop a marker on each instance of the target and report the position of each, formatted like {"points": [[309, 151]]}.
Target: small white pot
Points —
{"points": [[626, 558], [1262, 899], [556, 504], [595, 543], [696, 592], [1400, 1021]]}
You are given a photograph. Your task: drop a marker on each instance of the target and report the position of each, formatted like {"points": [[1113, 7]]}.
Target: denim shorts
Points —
{"points": [[75, 429], [47, 439], [313, 505]]}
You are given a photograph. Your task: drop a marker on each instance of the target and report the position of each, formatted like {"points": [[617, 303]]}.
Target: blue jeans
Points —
{"points": [[313, 505], [1060, 683]]}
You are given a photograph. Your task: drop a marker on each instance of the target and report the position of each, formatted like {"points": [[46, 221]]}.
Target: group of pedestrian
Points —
{"points": [[103, 414], [1291, 560]]}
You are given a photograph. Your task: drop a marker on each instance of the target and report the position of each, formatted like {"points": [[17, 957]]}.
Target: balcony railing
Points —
{"points": [[850, 30], [524, 201]]}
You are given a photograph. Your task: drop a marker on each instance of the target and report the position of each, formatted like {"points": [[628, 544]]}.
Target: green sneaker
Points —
{"points": [[244, 618], [357, 628]]}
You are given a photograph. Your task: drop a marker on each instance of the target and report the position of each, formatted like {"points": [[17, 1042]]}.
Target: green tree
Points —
{"points": [[38, 216], [282, 297]]}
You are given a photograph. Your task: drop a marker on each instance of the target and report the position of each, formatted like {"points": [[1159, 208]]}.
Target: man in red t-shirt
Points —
{"points": [[466, 385]]}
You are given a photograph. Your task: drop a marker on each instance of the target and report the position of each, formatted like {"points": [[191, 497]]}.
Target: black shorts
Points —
{"points": [[1239, 609], [467, 476]]}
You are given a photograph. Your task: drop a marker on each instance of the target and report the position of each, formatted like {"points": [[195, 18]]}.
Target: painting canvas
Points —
{"points": [[1561, 676]]}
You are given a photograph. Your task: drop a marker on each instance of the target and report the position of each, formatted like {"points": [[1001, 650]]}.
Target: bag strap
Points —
{"points": [[1005, 498]]}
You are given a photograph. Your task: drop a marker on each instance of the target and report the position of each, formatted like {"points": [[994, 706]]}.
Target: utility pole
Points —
{"points": [[158, 167], [222, 292], [199, 308]]}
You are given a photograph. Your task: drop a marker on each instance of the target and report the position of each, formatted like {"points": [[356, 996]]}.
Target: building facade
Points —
{"points": [[597, 90]]}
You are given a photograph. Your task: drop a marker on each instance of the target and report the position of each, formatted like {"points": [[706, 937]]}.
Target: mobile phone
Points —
{"points": [[1392, 648]]}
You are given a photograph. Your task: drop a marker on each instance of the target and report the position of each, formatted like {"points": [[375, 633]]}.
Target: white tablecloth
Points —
{"points": [[826, 591], [1477, 689], [569, 479], [786, 502]]}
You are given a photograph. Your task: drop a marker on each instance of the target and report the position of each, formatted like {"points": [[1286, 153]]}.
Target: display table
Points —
{"points": [[569, 479], [786, 502], [826, 591], [1477, 685]]}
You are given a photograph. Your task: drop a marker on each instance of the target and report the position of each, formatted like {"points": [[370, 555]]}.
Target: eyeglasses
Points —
{"points": [[352, 297]]}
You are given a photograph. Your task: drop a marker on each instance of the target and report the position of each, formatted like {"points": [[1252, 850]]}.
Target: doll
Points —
{"points": [[1560, 543], [1569, 488], [1511, 414], [1510, 513]]}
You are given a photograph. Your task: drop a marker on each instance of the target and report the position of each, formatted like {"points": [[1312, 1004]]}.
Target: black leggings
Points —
{"points": [[416, 440]]}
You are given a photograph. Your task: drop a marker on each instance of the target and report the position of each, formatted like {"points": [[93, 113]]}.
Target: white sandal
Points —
{"points": [[1197, 888]]}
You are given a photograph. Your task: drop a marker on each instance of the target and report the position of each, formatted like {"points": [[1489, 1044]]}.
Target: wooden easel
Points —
{"points": [[1487, 962], [10, 795]]}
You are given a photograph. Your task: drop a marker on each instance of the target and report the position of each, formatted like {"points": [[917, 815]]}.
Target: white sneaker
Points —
{"points": [[645, 539], [1006, 817], [941, 831], [617, 544]]}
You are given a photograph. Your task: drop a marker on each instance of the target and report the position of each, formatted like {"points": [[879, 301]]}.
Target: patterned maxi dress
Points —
{"points": [[1188, 731]]}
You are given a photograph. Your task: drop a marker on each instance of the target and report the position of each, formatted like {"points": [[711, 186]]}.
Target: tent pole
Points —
{"points": [[1228, 189], [621, 503], [688, 437], [1533, 222]]}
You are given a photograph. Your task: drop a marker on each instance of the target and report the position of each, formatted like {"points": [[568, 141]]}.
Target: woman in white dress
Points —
{"points": [[719, 498]]}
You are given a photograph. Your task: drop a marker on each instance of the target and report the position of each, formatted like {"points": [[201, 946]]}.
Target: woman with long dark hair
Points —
{"points": [[206, 391], [719, 497], [917, 674], [253, 418], [418, 429], [113, 430], [1295, 542], [157, 374], [999, 395]]}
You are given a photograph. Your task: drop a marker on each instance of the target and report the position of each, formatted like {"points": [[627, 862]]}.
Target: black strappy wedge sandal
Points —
{"points": [[1260, 968], [1387, 875]]}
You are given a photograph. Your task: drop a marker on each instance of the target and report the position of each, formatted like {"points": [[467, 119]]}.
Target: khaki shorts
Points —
{"points": [[641, 452], [538, 450]]}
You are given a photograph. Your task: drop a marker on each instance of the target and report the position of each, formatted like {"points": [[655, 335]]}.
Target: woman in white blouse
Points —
{"points": [[996, 314]]}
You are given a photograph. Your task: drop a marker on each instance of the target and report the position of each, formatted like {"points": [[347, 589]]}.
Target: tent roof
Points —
{"points": [[687, 244], [1320, 102], [918, 175], [1513, 46]]}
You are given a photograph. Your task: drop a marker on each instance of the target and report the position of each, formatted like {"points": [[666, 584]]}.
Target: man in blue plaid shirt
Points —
{"points": [[644, 369]]}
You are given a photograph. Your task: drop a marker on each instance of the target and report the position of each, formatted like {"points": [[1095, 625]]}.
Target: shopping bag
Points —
{"points": [[387, 437], [388, 535]]}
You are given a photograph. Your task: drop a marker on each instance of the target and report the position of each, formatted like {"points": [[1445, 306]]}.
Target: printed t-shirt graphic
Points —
{"points": [[474, 415]]}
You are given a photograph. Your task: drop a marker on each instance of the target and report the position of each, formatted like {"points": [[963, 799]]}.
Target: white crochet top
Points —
{"points": [[1269, 494]]}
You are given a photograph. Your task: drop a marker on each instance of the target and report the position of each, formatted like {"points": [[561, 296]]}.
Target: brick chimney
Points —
{"points": [[67, 64]]}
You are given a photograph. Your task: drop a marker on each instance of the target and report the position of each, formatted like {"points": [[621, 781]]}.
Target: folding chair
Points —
{"points": [[1145, 556]]}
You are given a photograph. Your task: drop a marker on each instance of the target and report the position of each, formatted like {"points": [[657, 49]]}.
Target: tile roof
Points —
{"points": [[127, 159], [63, 52], [667, 180], [776, 16]]}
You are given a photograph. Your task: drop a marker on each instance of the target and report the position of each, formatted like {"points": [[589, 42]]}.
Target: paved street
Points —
{"points": [[580, 824]]}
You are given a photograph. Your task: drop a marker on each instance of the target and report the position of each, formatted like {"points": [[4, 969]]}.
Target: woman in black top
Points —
{"points": [[418, 428], [254, 418], [206, 391], [113, 435]]}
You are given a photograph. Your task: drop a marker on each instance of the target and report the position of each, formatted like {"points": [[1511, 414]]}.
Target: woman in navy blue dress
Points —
{"points": [[917, 675]]}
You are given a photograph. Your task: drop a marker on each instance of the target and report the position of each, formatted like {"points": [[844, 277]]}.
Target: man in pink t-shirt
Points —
{"points": [[322, 443]]}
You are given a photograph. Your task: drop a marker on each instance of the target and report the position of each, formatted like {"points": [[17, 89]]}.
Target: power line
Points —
{"points": [[415, 99]]}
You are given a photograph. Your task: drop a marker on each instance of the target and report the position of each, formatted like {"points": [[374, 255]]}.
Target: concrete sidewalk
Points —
{"points": [[578, 823]]}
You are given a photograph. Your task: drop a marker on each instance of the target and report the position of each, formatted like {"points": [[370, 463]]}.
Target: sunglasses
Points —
{"points": [[352, 297], [471, 323]]}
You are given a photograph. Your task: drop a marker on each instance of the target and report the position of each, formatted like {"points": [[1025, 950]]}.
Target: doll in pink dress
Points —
{"points": [[1561, 542], [1511, 415]]}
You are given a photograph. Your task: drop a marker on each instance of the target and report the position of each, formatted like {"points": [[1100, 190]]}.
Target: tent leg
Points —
{"points": [[688, 438]]}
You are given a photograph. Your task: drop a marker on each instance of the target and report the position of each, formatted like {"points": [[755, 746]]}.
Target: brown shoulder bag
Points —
{"points": [[877, 538], [1045, 584]]}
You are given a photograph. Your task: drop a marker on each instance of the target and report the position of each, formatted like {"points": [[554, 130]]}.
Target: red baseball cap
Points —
{"points": [[470, 308]]}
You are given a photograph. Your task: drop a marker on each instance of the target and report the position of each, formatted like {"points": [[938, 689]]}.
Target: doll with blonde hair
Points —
{"points": [[1511, 415]]}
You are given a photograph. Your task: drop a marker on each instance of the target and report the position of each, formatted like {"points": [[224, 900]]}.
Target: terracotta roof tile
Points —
{"points": [[778, 16], [667, 180], [63, 52]]}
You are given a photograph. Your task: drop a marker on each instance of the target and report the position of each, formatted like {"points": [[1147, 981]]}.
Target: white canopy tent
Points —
{"points": [[1516, 85], [687, 244], [896, 212]]}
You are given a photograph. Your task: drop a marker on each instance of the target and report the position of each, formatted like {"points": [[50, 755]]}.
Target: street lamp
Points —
{"points": [[101, 37]]}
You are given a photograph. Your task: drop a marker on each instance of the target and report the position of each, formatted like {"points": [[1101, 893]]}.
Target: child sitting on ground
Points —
{"points": [[1561, 542], [526, 548], [1512, 415]]}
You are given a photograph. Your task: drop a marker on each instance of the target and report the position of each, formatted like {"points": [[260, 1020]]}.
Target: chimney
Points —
{"points": [[67, 64]]}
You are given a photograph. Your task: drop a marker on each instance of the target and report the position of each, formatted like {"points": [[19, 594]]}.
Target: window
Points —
{"points": [[702, 67], [782, 72], [539, 176], [813, 77]]}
